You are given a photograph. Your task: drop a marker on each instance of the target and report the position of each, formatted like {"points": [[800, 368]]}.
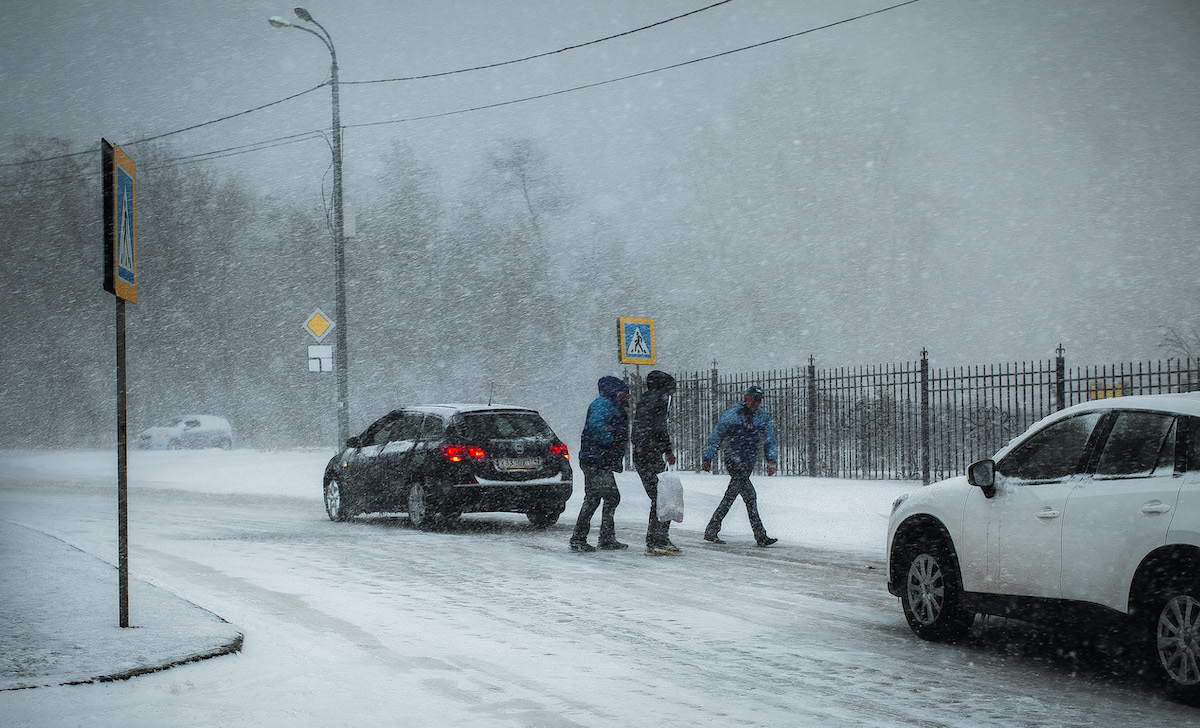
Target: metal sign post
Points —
{"points": [[121, 280]]}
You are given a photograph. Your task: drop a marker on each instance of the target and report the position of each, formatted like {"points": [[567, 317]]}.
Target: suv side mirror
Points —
{"points": [[982, 475]]}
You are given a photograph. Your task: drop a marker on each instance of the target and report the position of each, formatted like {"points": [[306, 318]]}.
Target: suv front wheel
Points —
{"points": [[932, 591]]}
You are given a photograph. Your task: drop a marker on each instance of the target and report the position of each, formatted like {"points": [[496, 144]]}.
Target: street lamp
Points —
{"points": [[341, 358]]}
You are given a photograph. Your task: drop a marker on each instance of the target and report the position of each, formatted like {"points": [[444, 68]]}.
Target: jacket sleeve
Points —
{"points": [[666, 436], [714, 440], [662, 432], [772, 444]]}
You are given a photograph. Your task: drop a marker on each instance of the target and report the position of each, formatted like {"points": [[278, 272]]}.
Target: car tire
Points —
{"points": [[545, 516], [226, 444], [931, 593], [1174, 637], [335, 500], [175, 445], [421, 513]]}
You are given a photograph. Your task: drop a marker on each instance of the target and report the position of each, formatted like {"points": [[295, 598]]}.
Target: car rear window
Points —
{"points": [[505, 425]]}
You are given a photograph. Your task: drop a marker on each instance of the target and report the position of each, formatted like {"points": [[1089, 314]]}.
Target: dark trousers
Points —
{"points": [[657, 532], [599, 485], [739, 484]]}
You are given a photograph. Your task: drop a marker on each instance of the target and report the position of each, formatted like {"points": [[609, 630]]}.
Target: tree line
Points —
{"points": [[448, 296]]}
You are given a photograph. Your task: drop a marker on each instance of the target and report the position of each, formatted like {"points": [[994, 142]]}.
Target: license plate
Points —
{"points": [[518, 463]]}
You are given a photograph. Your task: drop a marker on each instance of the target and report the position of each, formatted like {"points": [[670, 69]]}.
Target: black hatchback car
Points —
{"points": [[437, 462]]}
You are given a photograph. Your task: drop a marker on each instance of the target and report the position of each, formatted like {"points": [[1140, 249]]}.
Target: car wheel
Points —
{"points": [[1175, 638], [932, 592], [420, 512], [226, 444], [545, 516], [175, 444], [334, 504]]}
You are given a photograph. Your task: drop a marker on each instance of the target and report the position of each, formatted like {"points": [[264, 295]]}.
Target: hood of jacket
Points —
{"points": [[659, 380]]}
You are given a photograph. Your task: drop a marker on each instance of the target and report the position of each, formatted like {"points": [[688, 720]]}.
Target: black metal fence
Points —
{"points": [[905, 421]]}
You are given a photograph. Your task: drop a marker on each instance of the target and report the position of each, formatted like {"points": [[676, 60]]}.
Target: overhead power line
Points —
{"points": [[639, 74], [542, 55], [385, 80], [279, 141], [177, 131]]}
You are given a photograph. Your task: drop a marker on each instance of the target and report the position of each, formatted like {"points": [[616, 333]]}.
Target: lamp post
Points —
{"points": [[341, 358]]}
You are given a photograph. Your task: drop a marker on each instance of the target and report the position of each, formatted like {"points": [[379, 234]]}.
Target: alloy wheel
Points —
{"points": [[333, 500], [1178, 639], [926, 589]]}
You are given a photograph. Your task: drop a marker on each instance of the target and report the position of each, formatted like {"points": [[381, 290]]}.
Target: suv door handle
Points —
{"points": [[1048, 513], [1155, 508]]}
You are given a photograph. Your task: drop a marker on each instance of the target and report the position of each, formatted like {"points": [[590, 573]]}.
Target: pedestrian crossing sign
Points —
{"points": [[637, 341], [120, 223]]}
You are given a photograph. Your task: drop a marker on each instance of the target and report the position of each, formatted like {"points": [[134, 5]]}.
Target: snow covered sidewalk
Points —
{"points": [[60, 621]]}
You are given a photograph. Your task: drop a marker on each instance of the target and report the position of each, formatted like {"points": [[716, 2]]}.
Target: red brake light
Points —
{"points": [[559, 450], [459, 453]]}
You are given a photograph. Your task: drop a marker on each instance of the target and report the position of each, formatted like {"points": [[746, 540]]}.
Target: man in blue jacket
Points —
{"points": [[738, 433], [601, 453]]}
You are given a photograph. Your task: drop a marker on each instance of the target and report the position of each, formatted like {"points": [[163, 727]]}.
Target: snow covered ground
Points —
{"points": [[490, 623]]}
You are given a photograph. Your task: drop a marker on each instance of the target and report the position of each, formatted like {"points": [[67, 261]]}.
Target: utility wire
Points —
{"points": [[279, 141], [177, 131], [542, 55], [632, 75], [386, 80]]}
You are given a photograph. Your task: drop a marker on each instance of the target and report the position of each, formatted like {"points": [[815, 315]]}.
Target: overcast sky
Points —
{"points": [[1042, 156]]}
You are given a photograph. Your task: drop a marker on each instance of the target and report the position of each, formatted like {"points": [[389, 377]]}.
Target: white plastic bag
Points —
{"points": [[670, 497]]}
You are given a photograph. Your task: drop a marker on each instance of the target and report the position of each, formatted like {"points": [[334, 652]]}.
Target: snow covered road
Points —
{"points": [[494, 623]]}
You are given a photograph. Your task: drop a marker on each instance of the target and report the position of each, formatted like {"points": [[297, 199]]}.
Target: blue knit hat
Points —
{"points": [[611, 386]]}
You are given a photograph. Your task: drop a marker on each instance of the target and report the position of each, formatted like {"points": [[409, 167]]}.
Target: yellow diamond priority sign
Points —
{"points": [[318, 324]]}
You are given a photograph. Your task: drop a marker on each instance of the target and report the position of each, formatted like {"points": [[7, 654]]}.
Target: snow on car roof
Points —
{"points": [[207, 419], [1183, 403], [447, 409]]}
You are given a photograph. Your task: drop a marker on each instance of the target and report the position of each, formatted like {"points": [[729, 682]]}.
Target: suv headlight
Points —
{"points": [[898, 502]]}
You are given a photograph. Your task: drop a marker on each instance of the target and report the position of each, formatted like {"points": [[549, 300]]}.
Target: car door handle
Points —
{"points": [[1155, 508], [1049, 513]]}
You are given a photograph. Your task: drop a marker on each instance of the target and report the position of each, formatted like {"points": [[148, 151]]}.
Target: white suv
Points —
{"points": [[1094, 508]]}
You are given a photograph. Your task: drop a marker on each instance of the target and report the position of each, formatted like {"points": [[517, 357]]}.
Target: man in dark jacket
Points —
{"points": [[651, 446], [601, 453], [739, 433]]}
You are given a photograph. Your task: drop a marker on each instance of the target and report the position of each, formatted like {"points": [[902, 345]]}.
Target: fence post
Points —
{"points": [[1060, 379], [925, 444], [714, 402], [810, 419]]}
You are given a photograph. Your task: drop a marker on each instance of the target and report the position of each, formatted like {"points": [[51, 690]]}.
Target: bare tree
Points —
{"points": [[1184, 343]]}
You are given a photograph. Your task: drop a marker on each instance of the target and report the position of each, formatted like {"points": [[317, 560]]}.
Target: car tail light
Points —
{"points": [[559, 450], [459, 453]]}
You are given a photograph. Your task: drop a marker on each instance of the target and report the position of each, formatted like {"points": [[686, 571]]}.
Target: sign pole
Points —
{"points": [[122, 472], [119, 200]]}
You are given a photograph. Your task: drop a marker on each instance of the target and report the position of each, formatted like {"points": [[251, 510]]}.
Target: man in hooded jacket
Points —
{"points": [[740, 432], [601, 453], [651, 446]]}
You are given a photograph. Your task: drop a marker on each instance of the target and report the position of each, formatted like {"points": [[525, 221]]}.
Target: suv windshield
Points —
{"points": [[505, 425]]}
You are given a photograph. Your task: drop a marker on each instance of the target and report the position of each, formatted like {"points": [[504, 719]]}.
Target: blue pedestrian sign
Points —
{"points": [[120, 223], [637, 341]]}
